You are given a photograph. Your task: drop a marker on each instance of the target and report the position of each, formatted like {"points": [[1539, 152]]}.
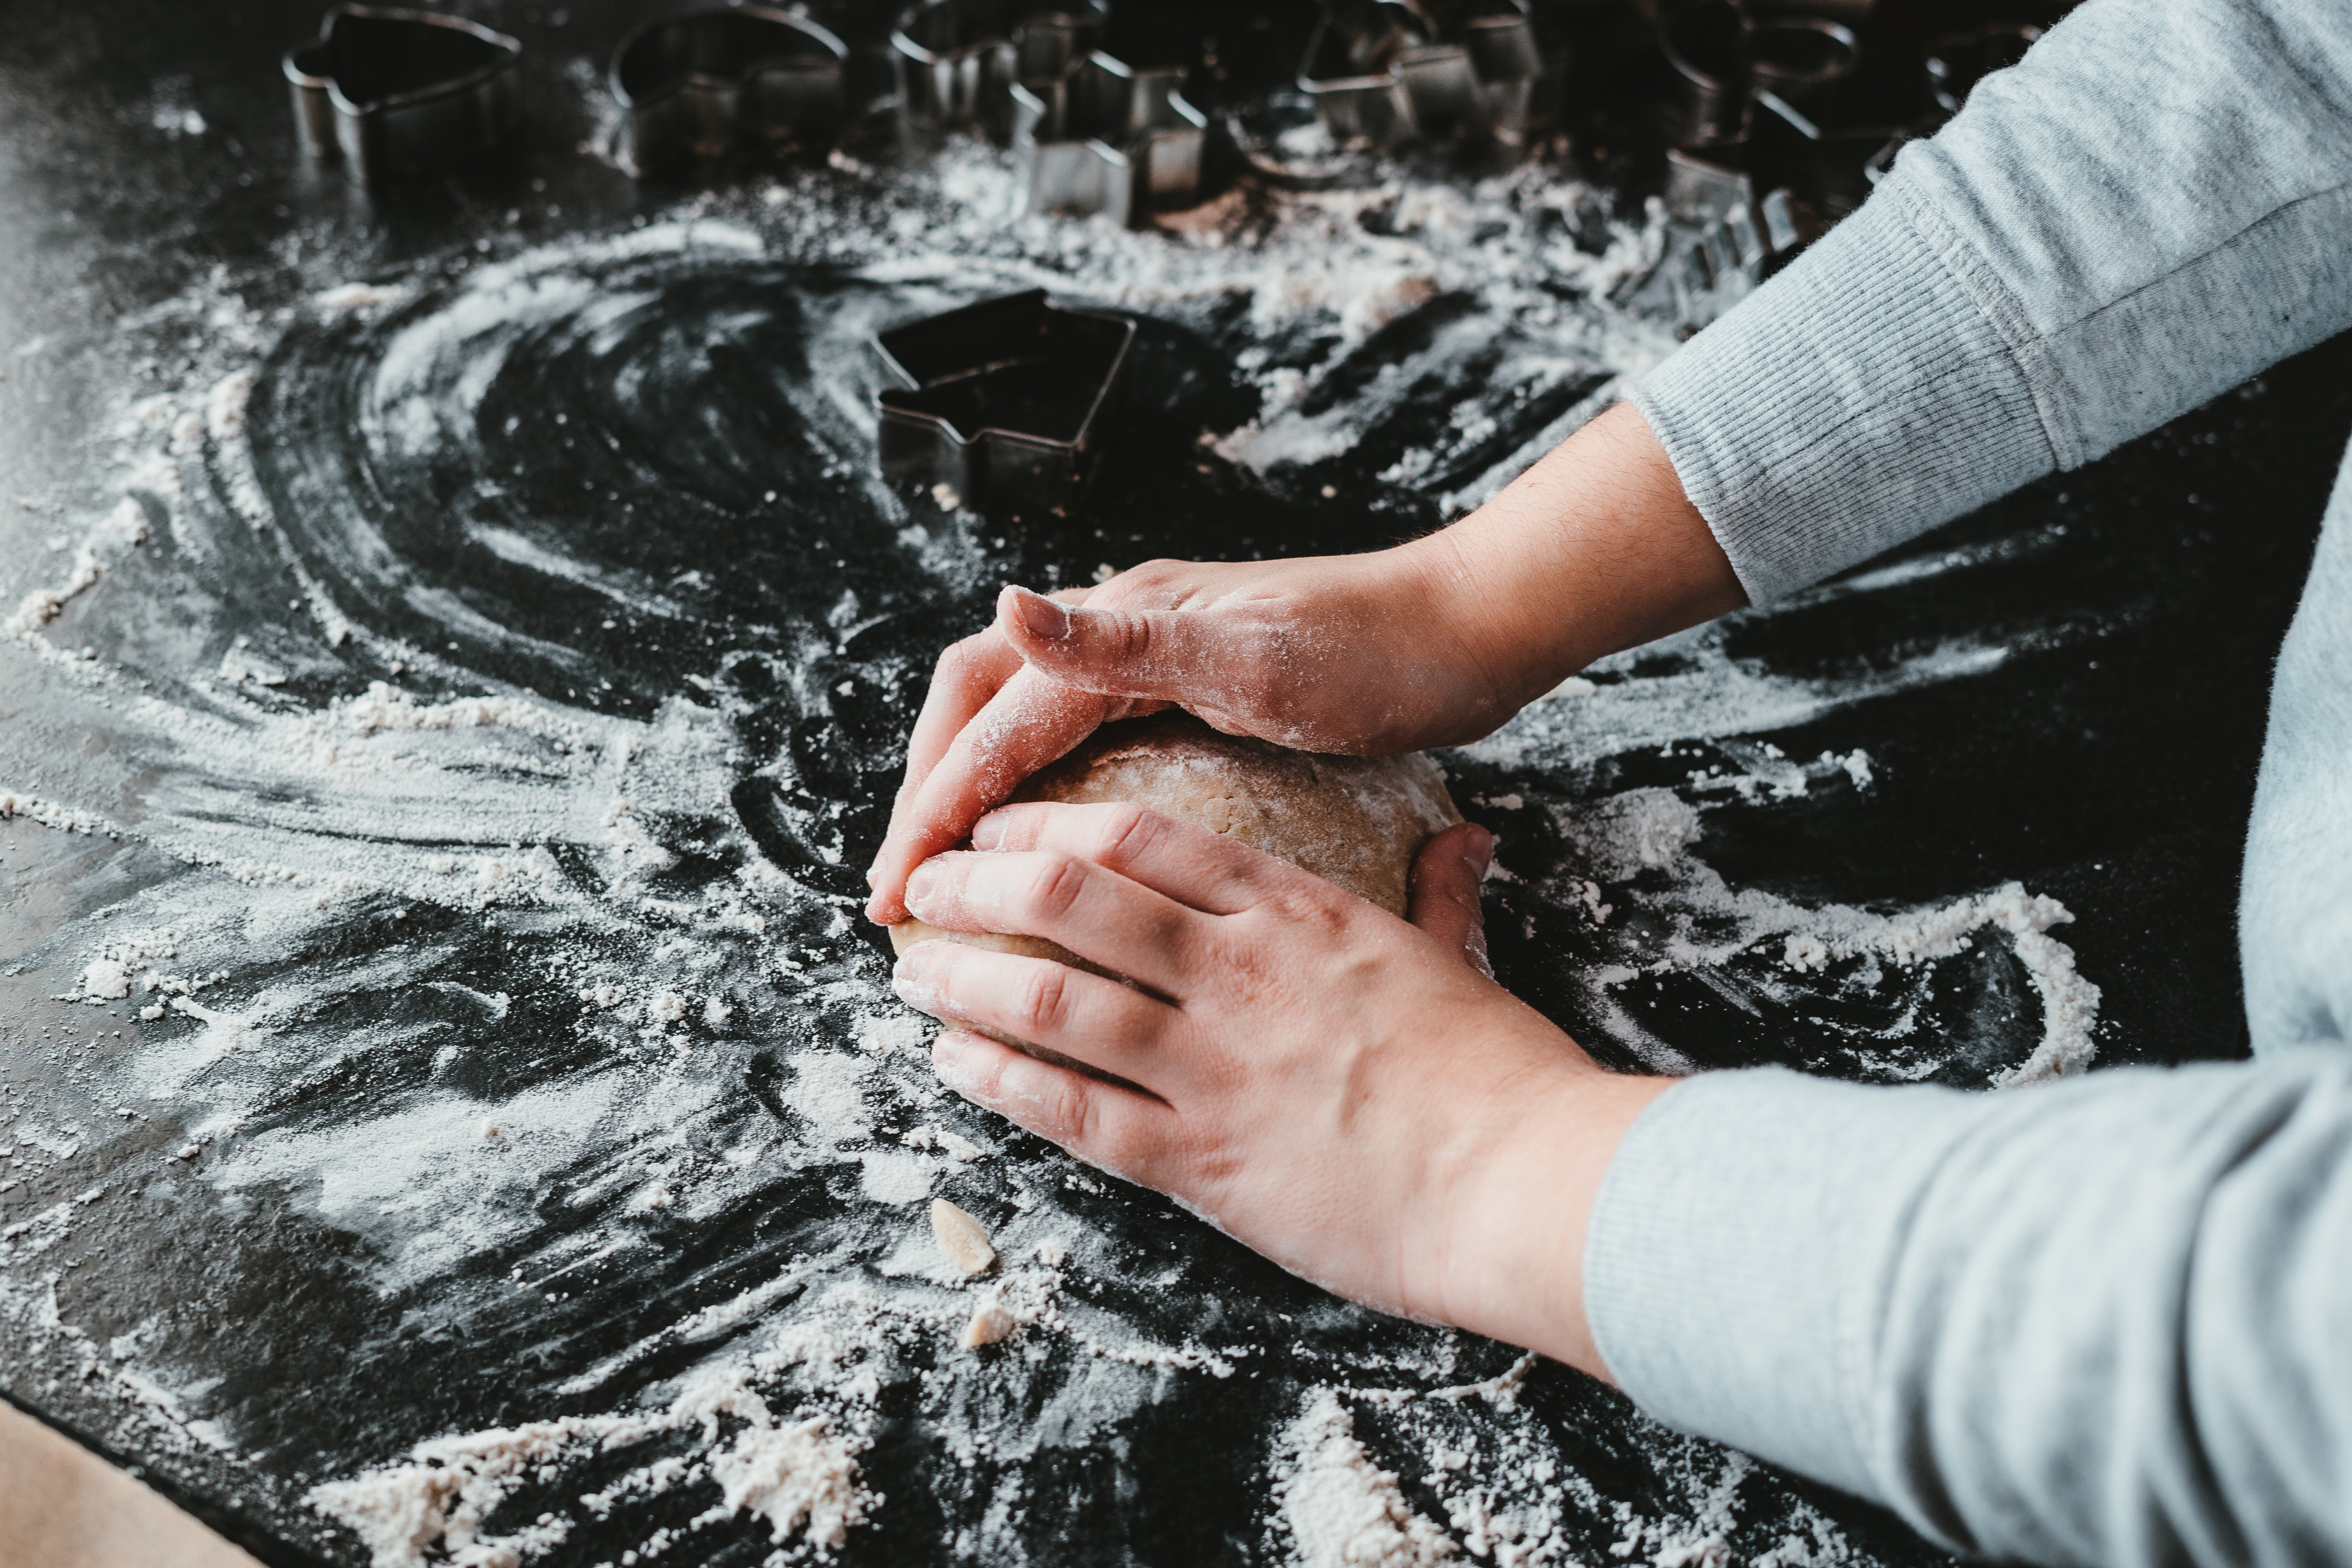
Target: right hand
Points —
{"points": [[1345, 654]]}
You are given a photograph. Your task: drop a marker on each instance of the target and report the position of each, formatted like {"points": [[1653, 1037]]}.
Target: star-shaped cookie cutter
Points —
{"points": [[1106, 138], [1005, 407], [957, 60], [1386, 72], [709, 82], [394, 91]]}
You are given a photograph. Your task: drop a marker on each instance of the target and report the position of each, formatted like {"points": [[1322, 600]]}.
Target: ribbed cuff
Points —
{"points": [[1859, 398], [1732, 1270]]}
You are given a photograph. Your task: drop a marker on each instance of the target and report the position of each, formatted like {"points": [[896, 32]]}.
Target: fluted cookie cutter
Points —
{"points": [[1106, 138], [394, 91], [1385, 72], [709, 82], [957, 61], [1005, 407]]}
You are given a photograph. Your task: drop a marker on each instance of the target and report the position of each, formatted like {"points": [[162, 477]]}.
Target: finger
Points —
{"points": [[1110, 1028], [1029, 722], [967, 675], [1168, 654], [1444, 898], [1117, 1130], [1101, 916], [1198, 869]]}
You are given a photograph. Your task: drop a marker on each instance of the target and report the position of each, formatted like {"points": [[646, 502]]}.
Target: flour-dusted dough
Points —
{"points": [[1355, 821]]}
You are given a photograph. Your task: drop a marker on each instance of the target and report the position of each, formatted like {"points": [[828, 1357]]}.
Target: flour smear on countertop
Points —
{"points": [[442, 932]]}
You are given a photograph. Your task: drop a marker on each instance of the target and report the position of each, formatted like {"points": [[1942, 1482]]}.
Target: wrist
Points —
{"points": [[1519, 1209], [1593, 550]]}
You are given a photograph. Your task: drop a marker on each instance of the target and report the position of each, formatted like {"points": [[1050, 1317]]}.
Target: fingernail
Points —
{"points": [[922, 885], [948, 1049], [1478, 852], [1042, 615], [916, 993], [987, 832]]}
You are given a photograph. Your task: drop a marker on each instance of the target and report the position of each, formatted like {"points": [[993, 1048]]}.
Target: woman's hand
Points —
{"points": [[1346, 1092], [1325, 653], [1432, 643]]}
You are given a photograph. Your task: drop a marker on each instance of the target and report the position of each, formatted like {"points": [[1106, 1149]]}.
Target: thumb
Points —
{"points": [[1167, 655], [1444, 898]]}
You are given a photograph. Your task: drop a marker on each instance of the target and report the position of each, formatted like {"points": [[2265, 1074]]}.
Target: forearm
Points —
{"points": [[1594, 549]]}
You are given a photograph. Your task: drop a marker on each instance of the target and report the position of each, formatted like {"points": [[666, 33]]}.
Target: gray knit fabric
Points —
{"points": [[2150, 209], [2108, 1320]]}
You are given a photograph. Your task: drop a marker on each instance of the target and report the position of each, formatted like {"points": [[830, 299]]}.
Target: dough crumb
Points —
{"points": [[992, 1321], [963, 1238]]}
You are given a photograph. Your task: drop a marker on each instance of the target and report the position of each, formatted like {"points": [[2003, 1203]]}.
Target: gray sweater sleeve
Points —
{"points": [[2104, 1321], [2107, 1320], [2149, 209]]}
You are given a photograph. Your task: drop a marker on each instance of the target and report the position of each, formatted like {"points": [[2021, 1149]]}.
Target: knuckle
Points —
{"points": [[1044, 998], [1131, 639], [960, 658], [1320, 915], [1142, 582], [1052, 887], [1122, 831]]}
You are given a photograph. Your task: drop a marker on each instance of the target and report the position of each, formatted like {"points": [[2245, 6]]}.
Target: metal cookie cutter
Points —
{"points": [[401, 92], [707, 82], [1734, 240], [1005, 407], [1724, 64], [1798, 58], [1106, 138], [1383, 72], [957, 60]]}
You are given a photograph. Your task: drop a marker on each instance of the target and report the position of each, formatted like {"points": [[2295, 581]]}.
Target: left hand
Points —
{"points": [[1346, 1092]]}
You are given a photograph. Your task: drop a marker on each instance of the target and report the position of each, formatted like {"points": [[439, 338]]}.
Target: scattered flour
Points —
{"points": [[801, 1479], [457, 808], [108, 539], [106, 979], [1340, 1508]]}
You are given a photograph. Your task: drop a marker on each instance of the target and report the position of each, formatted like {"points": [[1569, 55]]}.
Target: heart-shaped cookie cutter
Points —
{"points": [[957, 60], [1104, 138], [1005, 407], [726, 79], [393, 91]]}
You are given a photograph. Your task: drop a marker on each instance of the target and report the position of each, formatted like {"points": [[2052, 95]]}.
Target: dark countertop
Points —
{"points": [[459, 742]]}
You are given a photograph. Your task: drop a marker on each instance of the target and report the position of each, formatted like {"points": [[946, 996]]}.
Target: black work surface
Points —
{"points": [[517, 1063]]}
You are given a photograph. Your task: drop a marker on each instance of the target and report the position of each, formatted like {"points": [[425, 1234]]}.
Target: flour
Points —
{"points": [[50, 814], [1339, 1507], [404, 872], [108, 539], [106, 980], [800, 1479]]}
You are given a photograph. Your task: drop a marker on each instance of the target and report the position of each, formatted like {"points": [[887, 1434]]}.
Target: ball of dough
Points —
{"points": [[1355, 821]]}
